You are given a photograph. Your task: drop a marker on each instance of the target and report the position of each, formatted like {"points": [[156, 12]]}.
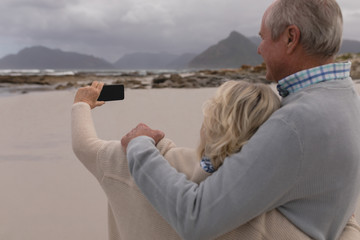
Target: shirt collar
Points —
{"points": [[206, 164], [305, 78]]}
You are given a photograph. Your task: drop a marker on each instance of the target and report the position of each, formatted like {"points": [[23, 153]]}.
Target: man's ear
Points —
{"points": [[293, 38]]}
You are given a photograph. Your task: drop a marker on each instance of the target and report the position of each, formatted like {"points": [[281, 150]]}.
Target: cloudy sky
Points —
{"points": [[111, 28]]}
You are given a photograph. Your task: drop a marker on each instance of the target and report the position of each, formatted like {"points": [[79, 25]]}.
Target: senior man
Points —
{"points": [[304, 161]]}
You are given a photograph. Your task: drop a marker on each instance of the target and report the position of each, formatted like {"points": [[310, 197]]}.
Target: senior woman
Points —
{"points": [[231, 117]]}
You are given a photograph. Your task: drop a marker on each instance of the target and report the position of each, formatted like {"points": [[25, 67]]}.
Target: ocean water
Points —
{"points": [[98, 72]]}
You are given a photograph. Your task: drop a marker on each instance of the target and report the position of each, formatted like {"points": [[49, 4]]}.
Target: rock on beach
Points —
{"points": [[135, 80]]}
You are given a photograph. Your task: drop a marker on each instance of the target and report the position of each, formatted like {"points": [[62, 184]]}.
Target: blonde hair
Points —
{"points": [[232, 116]]}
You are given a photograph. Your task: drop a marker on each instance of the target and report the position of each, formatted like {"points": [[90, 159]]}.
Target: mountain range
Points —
{"points": [[39, 57], [162, 60], [231, 52], [347, 46]]}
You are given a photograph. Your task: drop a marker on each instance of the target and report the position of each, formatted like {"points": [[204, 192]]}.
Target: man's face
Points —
{"points": [[273, 53]]}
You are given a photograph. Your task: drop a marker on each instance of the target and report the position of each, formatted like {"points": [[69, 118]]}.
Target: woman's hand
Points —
{"points": [[90, 94], [142, 130]]}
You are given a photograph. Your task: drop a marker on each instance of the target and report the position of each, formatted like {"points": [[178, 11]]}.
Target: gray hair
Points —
{"points": [[320, 23]]}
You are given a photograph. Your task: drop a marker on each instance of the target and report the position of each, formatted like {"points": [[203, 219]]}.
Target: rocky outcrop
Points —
{"points": [[192, 81], [211, 78]]}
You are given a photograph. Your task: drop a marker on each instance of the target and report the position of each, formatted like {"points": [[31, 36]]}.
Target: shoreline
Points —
{"points": [[7, 89], [23, 83]]}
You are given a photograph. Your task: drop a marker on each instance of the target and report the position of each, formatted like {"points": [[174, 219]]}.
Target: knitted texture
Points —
{"points": [[130, 215]]}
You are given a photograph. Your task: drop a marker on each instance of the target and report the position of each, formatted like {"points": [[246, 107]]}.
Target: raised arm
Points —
{"points": [[85, 142]]}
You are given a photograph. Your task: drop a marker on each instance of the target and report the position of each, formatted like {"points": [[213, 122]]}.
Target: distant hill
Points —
{"points": [[231, 52], [181, 62], [256, 40], [350, 46], [145, 61], [39, 57]]}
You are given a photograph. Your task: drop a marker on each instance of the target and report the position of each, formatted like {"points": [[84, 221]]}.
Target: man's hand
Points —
{"points": [[90, 94], [142, 130]]}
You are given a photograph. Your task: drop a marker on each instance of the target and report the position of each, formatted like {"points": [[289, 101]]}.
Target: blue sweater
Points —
{"points": [[304, 161]]}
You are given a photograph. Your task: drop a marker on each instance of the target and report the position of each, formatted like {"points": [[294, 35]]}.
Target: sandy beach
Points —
{"points": [[45, 191]]}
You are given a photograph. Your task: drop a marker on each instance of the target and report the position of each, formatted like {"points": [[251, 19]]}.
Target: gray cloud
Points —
{"points": [[112, 28]]}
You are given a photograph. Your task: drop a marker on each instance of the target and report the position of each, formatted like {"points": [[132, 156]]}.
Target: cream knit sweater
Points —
{"points": [[131, 217]]}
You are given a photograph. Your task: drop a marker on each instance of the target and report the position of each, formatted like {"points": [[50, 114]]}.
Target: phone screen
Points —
{"points": [[112, 93]]}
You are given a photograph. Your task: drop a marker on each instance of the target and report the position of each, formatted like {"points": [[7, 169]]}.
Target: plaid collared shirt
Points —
{"points": [[206, 164], [305, 78]]}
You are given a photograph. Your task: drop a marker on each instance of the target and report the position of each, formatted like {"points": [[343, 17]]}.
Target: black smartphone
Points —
{"points": [[112, 93]]}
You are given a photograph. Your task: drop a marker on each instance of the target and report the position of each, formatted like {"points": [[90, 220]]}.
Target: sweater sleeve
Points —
{"points": [[102, 157], [85, 142], [248, 184], [184, 160]]}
